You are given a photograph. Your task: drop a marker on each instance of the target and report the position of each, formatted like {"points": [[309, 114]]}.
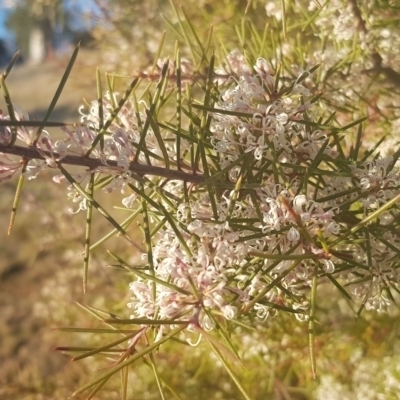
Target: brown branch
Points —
{"points": [[31, 153]]}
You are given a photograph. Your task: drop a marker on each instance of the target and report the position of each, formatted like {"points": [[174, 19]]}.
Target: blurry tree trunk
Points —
{"points": [[34, 26], [37, 52], [41, 41]]}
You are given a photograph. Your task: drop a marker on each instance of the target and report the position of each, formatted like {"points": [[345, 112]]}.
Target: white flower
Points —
{"points": [[229, 312], [293, 234], [8, 167], [129, 201], [328, 266], [24, 133]]}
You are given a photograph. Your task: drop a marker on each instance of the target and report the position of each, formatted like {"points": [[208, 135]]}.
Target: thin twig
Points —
{"points": [[31, 153]]}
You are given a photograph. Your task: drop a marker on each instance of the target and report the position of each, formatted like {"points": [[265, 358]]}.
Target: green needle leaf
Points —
{"points": [[311, 322], [89, 214], [17, 197], [131, 360], [96, 205], [58, 93]]}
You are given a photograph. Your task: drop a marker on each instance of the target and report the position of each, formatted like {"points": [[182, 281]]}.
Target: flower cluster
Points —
{"points": [[271, 201], [225, 257]]}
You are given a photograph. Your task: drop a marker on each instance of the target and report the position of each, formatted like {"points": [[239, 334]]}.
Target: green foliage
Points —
{"points": [[198, 184]]}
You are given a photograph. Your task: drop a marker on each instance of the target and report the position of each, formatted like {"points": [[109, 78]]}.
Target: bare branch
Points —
{"points": [[31, 153]]}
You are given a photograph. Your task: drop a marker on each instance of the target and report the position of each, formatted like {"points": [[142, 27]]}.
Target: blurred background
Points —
{"points": [[45, 30], [41, 262]]}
